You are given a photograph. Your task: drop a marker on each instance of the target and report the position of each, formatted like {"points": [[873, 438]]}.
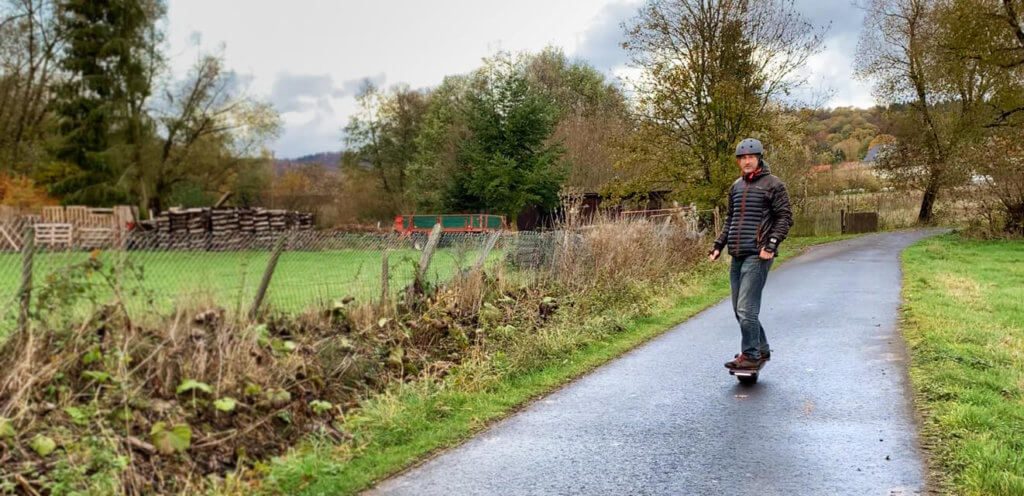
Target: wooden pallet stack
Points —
{"points": [[302, 221], [246, 220], [185, 229], [227, 228], [224, 227], [88, 227], [224, 221]]}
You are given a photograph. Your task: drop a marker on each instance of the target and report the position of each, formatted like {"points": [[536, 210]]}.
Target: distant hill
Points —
{"points": [[841, 134], [330, 161]]}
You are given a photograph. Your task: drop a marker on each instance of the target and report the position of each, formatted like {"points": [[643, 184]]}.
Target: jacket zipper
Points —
{"points": [[743, 211]]}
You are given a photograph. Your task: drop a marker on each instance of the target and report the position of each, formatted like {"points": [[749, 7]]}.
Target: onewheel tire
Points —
{"points": [[747, 379]]}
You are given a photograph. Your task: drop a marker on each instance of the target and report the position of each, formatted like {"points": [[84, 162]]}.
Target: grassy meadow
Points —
{"points": [[964, 324]]}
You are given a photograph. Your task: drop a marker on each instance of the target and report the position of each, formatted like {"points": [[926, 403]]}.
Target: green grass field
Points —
{"points": [[964, 324], [156, 281]]}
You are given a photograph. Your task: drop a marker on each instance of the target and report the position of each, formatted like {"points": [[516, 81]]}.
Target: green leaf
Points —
{"points": [[168, 441], [285, 416], [282, 346], [123, 414], [77, 415], [94, 354], [260, 330], [278, 397], [190, 384], [43, 445], [226, 404], [261, 333], [252, 389], [96, 375], [6, 428], [319, 407]]}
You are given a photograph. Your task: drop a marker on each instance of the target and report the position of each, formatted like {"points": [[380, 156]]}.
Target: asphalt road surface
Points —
{"points": [[830, 414]]}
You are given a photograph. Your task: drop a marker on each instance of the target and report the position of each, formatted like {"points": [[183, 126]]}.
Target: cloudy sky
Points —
{"points": [[308, 57]]}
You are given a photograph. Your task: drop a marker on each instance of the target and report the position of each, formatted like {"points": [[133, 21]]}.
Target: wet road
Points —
{"points": [[831, 413]]}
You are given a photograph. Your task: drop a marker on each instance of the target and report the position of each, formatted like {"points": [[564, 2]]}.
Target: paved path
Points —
{"points": [[831, 413]]}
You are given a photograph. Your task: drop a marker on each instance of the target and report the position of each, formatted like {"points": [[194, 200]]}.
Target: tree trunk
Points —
{"points": [[155, 206], [1015, 220], [928, 202]]}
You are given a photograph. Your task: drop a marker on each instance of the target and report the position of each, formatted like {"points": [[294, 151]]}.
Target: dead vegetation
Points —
{"points": [[110, 405]]}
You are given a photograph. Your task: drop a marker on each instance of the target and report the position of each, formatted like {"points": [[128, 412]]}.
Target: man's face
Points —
{"points": [[747, 163]]}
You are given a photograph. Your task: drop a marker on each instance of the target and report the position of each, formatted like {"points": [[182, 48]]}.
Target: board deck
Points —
{"points": [[747, 372]]}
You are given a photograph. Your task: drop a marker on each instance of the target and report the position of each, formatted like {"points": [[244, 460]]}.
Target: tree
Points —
{"points": [[437, 145], [593, 116], [506, 162], [21, 192], [29, 43], [987, 36], [850, 149], [109, 65], [711, 72], [207, 136], [998, 160], [896, 52], [950, 66], [252, 181], [980, 51], [382, 136]]}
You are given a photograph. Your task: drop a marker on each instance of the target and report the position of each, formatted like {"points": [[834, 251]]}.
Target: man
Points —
{"points": [[758, 220]]}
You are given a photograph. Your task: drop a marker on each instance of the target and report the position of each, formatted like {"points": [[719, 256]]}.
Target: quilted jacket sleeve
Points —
{"points": [[783, 215]]}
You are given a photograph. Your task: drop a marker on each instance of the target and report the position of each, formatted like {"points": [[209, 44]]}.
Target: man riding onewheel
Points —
{"points": [[757, 222]]}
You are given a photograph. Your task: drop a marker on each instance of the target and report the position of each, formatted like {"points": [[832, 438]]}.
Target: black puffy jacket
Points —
{"points": [[759, 215]]}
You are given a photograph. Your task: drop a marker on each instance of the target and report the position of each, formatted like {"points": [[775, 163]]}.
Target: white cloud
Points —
{"points": [[601, 44], [309, 56]]}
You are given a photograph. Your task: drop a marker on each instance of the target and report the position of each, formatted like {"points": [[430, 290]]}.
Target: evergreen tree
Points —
{"points": [[507, 162], [108, 64]]}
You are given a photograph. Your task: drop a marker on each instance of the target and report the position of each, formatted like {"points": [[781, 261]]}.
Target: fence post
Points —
{"points": [[267, 274], [384, 273], [718, 222], [28, 248], [491, 241], [428, 250], [425, 258]]}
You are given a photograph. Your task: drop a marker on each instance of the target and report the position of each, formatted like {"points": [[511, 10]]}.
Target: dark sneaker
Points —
{"points": [[742, 362]]}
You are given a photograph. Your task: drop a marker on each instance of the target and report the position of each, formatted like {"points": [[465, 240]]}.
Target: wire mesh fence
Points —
{"points": [[70, 274], [152, 273]]}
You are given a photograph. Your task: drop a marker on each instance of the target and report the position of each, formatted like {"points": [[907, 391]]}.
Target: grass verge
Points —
{"points": [[963, 319], [395, 429]]}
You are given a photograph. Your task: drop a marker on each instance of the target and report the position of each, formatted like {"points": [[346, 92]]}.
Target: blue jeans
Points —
{"points": [[747, 276]]}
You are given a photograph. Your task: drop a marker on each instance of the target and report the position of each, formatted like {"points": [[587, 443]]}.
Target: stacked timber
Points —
{"points": [[224, 232], [224, 221], [246, 220], [226, 228]]}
